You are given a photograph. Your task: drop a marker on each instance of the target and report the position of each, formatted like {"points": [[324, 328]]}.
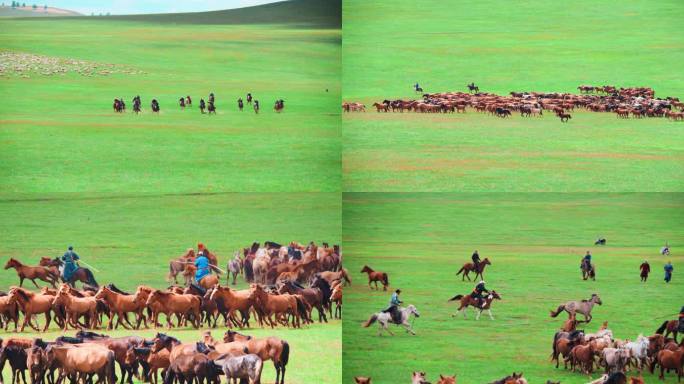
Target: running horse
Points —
{"points": [[473, 88], [32, 273], [374, 276], [470, 267], [384, 318], [584, 307], [468, 300], [588, 270]]}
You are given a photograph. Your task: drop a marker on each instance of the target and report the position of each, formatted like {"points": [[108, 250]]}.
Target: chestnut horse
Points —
{"points": [[120, 305], [171, 303], [240, 301], [76, 307], [470, 267], [178, 265], [279, 305], [32, 273], [270, 348], [31, 304], [468, 300], [9, 311], [669, 327], [374, 276]]}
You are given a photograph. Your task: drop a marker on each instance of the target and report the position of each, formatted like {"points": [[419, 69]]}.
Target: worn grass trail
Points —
{"points": [[535, 242]]}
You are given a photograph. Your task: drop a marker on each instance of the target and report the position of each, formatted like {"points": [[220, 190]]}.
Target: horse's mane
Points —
{"points": [[68, 339], [38, 342], [198, 288], [165, 338], [142, 351], [203, 347], [114, 288], [91, 335], [26, 295]]}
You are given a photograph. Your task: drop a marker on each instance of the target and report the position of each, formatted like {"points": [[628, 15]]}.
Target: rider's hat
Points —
{"points": [[481, 282], [398, 291], [71, 248]]}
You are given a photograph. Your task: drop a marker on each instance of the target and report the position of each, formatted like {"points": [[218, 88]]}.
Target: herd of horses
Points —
{"points": [[88, 357], [601, 351], [638, 102], [119, 105]]}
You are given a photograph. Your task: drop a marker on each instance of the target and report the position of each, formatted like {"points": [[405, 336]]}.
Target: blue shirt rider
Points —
{"points": [[668, 271], [586, 260], [394, 305], [416, 87], [202, 264], [69, 258]]}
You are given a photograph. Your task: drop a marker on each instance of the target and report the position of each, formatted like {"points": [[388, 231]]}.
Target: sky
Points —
{"points": [[125, 7]]}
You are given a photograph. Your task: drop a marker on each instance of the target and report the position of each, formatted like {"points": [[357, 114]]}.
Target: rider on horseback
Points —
{"points": [[586, 261], [476, 261], [477, 293], [416, 86], [202, 264], [393, 308], [70, 266]]}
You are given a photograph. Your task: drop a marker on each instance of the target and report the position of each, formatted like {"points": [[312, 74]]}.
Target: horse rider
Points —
{"points": [[256, 106], [202, 105], [211, 97], [202, 264], [189, 100], [393, 308], [181, 102], [645, 270], [478, 293], [476, 260], [586, 261], [240, 104], [70, 259], [416, 86], [665, 250], [668, 271], [249, 98]]}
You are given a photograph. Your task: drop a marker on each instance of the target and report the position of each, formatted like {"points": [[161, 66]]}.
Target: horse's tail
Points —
{"points": [[385, 279], [370, 321], [301, 308], [285, 354], [457, 297], [460, 271], [110, 370], [90, 277], [560, 309], [662, 328]]}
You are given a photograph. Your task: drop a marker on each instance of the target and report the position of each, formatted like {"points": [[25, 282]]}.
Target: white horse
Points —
{"points": [[385, 318], [639, 351]]}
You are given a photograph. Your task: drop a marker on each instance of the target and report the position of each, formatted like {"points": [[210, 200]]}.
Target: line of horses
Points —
{"points": [[636, 102], [421, 378], [88, 357], [119, 105], [600, 350]]}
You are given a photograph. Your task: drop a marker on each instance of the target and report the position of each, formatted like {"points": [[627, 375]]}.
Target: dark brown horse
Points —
{"points": [[470, 267], [669, 327], [31, 273], [375, 276], [468, 300]]}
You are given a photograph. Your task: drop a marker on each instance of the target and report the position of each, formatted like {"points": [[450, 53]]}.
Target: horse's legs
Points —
{"points": [[489, 311], [21, 281], [479, 312]]}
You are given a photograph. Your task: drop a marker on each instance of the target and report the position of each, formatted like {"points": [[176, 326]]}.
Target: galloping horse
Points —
{"points": [[584, 307], [384, 318], [470, 267], [588, 271], [473, 88], [84, 275], [467, 300], [374, 276], [31, 273], [669, 327]]}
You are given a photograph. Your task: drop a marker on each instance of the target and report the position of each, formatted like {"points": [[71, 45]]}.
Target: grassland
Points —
{"points": [[502, 47], [535, 242], [59, 134], [130, 239]]}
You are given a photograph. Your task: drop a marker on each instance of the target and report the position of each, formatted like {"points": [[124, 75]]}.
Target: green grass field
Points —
{"points": [[130, 240], [509, 46], [59, 133], [535, 242]]}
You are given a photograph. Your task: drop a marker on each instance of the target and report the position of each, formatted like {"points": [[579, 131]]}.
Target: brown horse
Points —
{"points": [[76, 307], [209, 281], [381, 107], [240, 301], [9, 311], [32, 273], [447, 379], [178, 265], [339, 275], [362, 380], [120, 305], [468, 300], [83, 360], [171, 303], [32, 304], [280, 306], [313, 297], [669, 327], [670, 360], [583, 355], [270, 348], [374, 276], [470, 267]]}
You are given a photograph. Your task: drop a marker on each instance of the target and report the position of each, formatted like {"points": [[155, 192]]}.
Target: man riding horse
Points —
{"points": [[476, 261], [70, 266], [586, 261], [393, 308], [202, 264], [478, 293]]}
